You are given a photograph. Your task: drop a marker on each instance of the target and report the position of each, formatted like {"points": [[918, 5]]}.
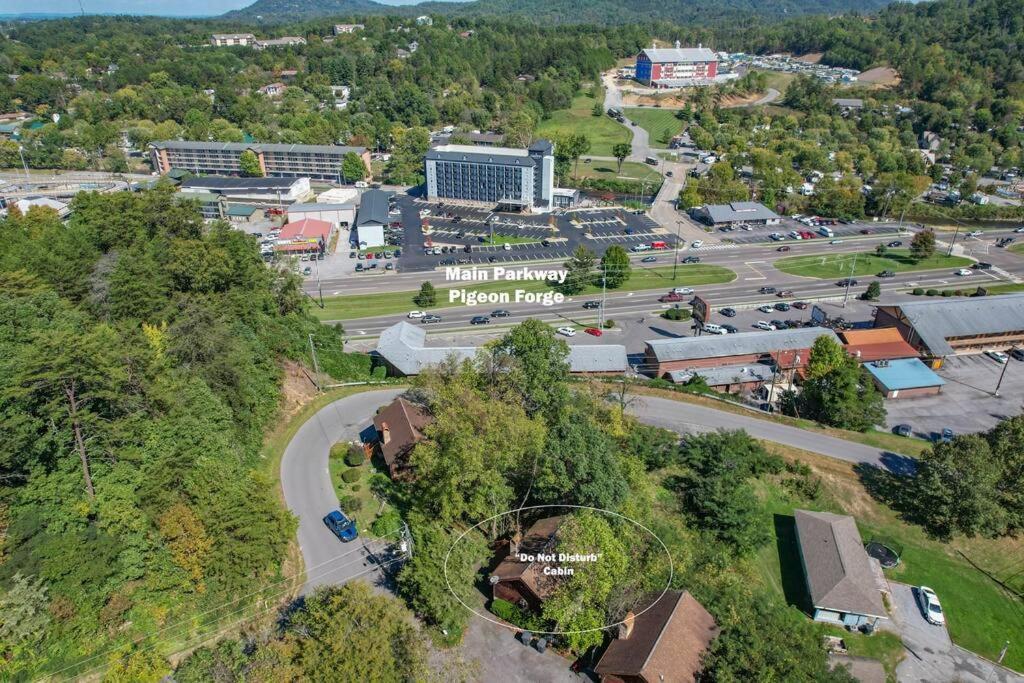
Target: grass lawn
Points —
{"points": [[609, 170], [1018, 248], [660, 124], [779, 80], [603, 131], [357, 499], [510, 239], [1008, 288], [980, 614], [365, 305], [839, 265]]}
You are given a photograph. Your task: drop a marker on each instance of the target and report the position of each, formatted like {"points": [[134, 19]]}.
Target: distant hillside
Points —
{"points": [[563, 11]]}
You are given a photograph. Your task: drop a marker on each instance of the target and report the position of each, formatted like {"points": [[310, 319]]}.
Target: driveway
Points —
{"points": [[684, 417], [501, 657], [309, 494], [931, 656]]}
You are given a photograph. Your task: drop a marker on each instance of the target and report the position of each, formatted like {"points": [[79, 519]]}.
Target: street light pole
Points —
{"points": [[675, 264], [604, 295], [849, 280], [956, 232], [1001, 375], [21, 153]]}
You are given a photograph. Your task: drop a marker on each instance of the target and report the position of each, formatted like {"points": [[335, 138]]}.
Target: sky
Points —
{"points": [[162, 7]]}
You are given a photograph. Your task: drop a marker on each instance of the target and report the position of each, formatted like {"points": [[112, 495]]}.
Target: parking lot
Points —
{"points": [[966, 404], [750, 234]]}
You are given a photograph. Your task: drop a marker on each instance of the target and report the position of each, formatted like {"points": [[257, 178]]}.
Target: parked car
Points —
{"points": [[307, 271], [730, 329], [964, 272], [500, 313], [764, 325], [593, 331], [1017, 353], [648, 259], [711, 328], [902, 430], [351, 254], [767, 308], [997, 356], [800, 305], [389, 266], [430, 318], [930, 606], [506, 246], [590, 305], [479, 320], [359, 267], [566, 331], [782, 306], [947, 435], [545, 243], [728, 312], [341, 526], [886, 273]]}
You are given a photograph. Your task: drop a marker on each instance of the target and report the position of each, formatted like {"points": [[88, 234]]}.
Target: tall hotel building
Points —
{"points": [[321, 162], [510, 178], [676, 67]]}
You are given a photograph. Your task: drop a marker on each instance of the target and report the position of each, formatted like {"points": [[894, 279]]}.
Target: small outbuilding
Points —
{"points": [[904, 378]]}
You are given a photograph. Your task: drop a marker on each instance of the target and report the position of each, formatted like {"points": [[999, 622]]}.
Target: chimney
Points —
{"points": [[626, 627], [385, 433]]}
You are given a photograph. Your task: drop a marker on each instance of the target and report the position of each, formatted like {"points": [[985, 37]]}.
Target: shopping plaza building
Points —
{"points": [[502, 177]]}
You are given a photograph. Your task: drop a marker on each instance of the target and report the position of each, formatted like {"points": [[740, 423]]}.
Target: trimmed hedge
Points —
{"points": [[350, 475], [355, 456], [918, 291]]}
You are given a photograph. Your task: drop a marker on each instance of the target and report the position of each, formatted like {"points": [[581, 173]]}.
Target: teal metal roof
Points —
{"points": [[904, 373]]}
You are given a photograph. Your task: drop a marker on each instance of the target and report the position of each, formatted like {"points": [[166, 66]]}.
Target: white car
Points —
{"points": [[413, 315], [929, 602], [975, 233], [997, 356], [566, 331], [697, 244], [507, 246], [682, 290], [767, 308], [964, 272], [1020, 229], [764, 325]]}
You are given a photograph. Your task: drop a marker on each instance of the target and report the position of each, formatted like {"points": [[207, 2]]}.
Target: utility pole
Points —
{"points": [[604, 295], [319, 287], [953, 241], [316, 365], [675, 264], [1001, 375], [405, 540], [21, 153], [849, 280]]}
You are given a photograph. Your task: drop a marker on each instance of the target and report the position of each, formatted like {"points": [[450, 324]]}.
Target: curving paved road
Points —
{"points": [[310, 496]]}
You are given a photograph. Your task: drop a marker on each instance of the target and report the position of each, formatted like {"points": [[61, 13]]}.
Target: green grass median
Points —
{"points": [[829, 266], [348, 307]]}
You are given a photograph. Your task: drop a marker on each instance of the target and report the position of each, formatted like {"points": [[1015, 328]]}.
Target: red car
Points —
{"points": [[594, 331], [671, 297], [865, 231], [800, 305]]}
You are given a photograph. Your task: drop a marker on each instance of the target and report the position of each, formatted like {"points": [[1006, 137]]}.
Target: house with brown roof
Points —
{"points": [[662, 641], [878, 343], [524, 582], [399, 427], [845, 585]]}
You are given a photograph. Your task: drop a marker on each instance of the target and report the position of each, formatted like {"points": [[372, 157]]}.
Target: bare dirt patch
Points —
{"points": [[667, 101], [810, 57], [297, 389], [884, 76]]}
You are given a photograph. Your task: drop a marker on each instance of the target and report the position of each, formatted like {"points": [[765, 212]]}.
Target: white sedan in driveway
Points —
{"points": [[566, 331], [997, 356], [963, 272], [929, 602], [413, 315]]}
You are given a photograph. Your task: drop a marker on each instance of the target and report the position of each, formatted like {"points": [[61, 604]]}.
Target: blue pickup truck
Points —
{"points": [[341, 526]]}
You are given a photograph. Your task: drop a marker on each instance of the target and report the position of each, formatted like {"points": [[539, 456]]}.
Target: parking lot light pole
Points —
{"points": [[604, 296], [675, 264], [849, 280]]}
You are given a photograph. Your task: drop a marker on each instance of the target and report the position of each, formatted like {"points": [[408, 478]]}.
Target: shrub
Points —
{"points": [[918, 291], [350, 475], [356, 487], [677, 314], [958, 292], [387, 524], [609, 324], [339, 450], [355, 456], [947, 292], [931, 292], [350, 504], [504, 609]]}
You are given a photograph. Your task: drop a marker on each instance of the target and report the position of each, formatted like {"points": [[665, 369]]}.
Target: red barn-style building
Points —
{"points": [[676, 67]]}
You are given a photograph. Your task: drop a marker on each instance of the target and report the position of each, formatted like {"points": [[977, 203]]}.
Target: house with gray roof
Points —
{"points": [[735, 213], [943, 327], [402, 349], [845, 585]]}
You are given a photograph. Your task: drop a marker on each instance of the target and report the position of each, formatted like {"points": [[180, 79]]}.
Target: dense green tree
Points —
{"points": [[532, 362], [837, 391], [249, 164], [621, 150], [427, 296], [922, 246], [352, 167], [615, 266], [581, 270], [957, 484]]}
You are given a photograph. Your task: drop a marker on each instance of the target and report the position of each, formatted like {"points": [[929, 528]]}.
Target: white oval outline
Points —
{"points": [[668, 584]]}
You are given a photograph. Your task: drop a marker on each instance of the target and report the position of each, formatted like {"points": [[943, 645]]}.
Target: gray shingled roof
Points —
{"points": [[937, 320], [373, 208], [256, 146], [837, 568], [739, 211], [743, 343], [729, 374], [230, 183], [680, 54], [404, 346]]}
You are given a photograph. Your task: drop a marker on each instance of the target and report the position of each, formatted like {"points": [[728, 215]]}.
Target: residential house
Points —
{"points": [[525, 583], [399, 427], [274, 89], [232, 39], [339, 29], [661, 641]]}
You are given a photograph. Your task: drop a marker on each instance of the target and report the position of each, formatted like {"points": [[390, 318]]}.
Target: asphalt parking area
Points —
{"points": [[931, 655], [966, 404]]}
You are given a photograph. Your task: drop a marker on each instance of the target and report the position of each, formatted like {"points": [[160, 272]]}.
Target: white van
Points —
{"points": [[712, 328], [683, 290]]}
